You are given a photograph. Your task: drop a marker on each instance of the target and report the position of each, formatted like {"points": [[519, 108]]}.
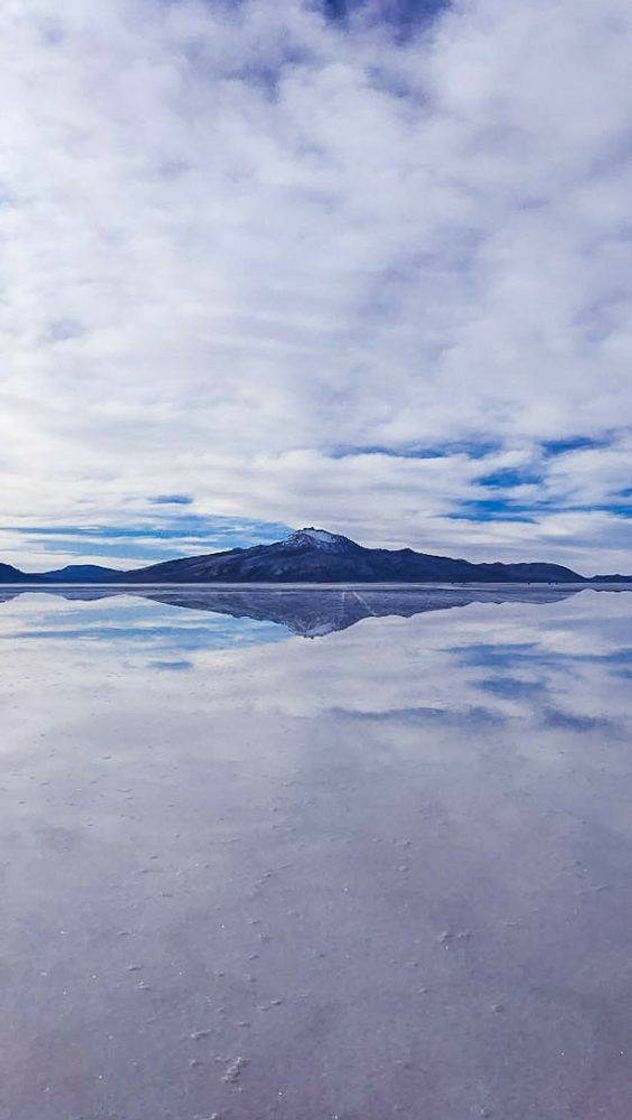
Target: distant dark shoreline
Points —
{"points": [[622, 583]]}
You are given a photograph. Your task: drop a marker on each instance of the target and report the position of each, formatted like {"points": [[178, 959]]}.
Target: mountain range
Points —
{"points": [[312, 555]]}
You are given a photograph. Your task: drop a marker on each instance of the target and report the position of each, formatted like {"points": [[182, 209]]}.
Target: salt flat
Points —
{"points": [[312, 865]]}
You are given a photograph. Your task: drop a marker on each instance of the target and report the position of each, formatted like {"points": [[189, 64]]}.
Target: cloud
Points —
{"points": [[302, 267]]}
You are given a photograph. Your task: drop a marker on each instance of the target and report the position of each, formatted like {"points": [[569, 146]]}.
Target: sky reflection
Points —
{"points": [[413, 832]]}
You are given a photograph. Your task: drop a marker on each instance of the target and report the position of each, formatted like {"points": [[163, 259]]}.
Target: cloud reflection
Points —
{"points": [[371, 825]]}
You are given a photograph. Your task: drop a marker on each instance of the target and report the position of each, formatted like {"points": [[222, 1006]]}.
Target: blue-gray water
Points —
{"points": [[248, 872]]}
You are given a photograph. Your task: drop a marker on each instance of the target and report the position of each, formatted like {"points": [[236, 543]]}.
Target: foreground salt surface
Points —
{"points": [[382, 873]]}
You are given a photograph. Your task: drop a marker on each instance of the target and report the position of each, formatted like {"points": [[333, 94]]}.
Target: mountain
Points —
{"points": [[82, 573], [9, 574], [316, 556]]}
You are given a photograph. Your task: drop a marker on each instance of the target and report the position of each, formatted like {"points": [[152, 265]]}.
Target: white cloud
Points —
{"points": [[237, 238]]}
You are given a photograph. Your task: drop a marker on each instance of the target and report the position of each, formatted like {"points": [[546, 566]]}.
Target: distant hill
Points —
{"points": [[9, 574], [610, 579], [82, 573], [314, 556]]}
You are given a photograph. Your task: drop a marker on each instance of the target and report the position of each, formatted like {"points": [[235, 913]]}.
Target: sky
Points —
{"points": [[273, 263]]}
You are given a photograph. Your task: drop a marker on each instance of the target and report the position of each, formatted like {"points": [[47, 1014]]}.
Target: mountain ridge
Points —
{"points": [[313, 555], [9, 574], [73, 573]]}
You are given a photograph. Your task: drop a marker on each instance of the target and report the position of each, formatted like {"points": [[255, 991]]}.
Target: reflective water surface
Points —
{"points": [[383, 872]]}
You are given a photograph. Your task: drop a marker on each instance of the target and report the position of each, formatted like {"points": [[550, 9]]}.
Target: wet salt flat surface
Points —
{"points": [[382, 872]]}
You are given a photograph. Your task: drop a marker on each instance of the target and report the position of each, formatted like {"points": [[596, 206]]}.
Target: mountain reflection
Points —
{"points": [[312, 612], [415, 833]]}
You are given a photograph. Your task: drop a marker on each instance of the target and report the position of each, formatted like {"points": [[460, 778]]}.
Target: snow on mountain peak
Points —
{"points": [[318, 538], [319, 535]]}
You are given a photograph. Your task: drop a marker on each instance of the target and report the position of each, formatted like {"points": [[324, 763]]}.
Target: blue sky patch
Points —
{"points": [[508, 477], [573, 443], [403, 17], [148, 540], [491, 509]]}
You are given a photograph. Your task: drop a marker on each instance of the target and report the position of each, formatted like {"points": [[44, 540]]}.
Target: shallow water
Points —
{"points": [[382, 872]]}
